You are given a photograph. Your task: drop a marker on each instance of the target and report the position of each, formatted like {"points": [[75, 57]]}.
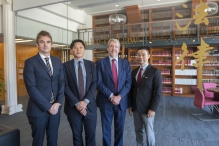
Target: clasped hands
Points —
{"points": [[115, 99], [82, 107], [54, 109]]}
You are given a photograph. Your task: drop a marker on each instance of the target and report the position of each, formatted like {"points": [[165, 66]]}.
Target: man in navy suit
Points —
{"points": [[113, 84], [80, 103], [44, 81], [145, 96]]}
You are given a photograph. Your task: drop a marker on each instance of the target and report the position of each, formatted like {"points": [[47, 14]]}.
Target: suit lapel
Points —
{"points": [[71, 67], [88, 73], [54, 73], [135, 71], [42, 63], [145, 74], [120, 64], [108, 67]]}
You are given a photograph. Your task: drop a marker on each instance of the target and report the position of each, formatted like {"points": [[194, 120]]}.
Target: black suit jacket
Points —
{"points": [[149, 92], [39, 84], [71, 88]]}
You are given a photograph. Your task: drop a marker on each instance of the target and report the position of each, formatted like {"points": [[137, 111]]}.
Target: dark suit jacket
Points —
{"points": [[71, 87], [39, 84], [105, 84], [149, 93]]}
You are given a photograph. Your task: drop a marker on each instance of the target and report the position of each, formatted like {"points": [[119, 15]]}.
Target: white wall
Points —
{"points": [[1, 25]]}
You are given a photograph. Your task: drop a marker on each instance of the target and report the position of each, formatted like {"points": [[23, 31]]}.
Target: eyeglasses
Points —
{"points": [[111, 47], [143, 55]]}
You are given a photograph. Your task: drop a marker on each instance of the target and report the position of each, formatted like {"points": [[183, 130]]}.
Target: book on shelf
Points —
{"points": [[186, 72], [179, 81]]}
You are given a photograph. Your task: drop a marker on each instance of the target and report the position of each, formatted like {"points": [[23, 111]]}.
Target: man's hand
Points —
{"points": [[151, 113], [81, 107], [116, 99], [130, 111], [54, 108]]}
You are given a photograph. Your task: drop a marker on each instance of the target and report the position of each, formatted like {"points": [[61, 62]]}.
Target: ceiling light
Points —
{"points": [[18, 39], [117, 19], [211, 10], [23, 41], [57, 45], [158, 0], [116, 5]]}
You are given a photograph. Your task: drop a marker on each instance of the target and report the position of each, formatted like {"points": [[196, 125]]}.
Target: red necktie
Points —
{"points": [[114, 72], [139, 76]]}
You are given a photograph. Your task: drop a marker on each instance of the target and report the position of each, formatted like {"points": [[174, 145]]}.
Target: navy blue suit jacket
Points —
{"points": [[105, 84], [71, 87], [39, 84]]}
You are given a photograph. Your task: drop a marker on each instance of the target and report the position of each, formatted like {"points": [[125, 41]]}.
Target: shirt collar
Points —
{"points": [[113, 58], [43, 56], [144, 67], [76, 61]]}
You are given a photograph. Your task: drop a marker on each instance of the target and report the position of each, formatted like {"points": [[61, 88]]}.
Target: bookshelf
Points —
{"points": [[210, 71], [161, 58], [184, 79]]}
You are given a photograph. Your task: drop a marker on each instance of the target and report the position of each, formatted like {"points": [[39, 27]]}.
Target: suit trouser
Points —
{"points": [[45, 123], [143, 124], [89, 122], [106, 120]]}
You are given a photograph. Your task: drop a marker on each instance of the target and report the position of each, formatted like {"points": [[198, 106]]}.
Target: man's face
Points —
{"points": [[142, 57], [113, 49], [44, 45], [78, 50]]}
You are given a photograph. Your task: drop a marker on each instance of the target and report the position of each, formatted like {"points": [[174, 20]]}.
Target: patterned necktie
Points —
{"points": [[139, 76], [48, 66], [114, 72], [50, 74], [80, 81]]}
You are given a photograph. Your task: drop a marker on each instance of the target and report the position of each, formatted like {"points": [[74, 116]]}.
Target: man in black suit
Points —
{"points": [[145, 96], [80, 86], [44, 81]]}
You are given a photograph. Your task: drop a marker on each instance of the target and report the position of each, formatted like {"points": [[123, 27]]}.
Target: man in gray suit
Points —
{"points": [[145, 96]]}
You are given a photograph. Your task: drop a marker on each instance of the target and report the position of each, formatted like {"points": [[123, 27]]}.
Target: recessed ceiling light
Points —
{"points": [[116, 5], [158, 0]]}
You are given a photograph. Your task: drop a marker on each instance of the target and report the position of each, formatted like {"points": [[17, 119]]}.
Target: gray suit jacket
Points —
{"points": [[149, 92]]}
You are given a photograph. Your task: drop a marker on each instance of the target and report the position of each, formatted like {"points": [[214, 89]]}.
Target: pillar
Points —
{"points": [[11, 104]]}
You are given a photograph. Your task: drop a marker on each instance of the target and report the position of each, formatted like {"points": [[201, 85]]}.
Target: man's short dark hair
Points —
{"points": [[43, 33], [76, 41], [146, 48]]}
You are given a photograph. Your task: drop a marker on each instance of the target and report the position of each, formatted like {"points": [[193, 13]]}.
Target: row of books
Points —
{"points": [[100, 55], [179, 53], [139, 34], [166, 80], [101, 29], [101, 21], [213, 53], [178, 90], [212, 63], [165, 71], [161, 14], [107, 36], [216, 81], [186, 72], [119, 27], [162, 53], [209, 29], [167, 89], [134, 62], [162, 62], [210, 72], [187, 63], [179, 81]]}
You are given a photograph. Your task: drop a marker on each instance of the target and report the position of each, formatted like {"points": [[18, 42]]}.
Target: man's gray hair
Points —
{"points": [[114, 40]]}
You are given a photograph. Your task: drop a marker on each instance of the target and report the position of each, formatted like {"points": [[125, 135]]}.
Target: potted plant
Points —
{"points": [[2, 87]]}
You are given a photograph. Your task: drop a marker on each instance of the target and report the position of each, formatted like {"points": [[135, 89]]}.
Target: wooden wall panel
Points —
{"points": [[133, 14], [24, 52], [2, 65]]}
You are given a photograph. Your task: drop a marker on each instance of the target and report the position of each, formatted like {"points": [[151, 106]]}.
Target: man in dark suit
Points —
{"points": [[80, 103], [113, 84], [145, 95], [44, 81]]}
